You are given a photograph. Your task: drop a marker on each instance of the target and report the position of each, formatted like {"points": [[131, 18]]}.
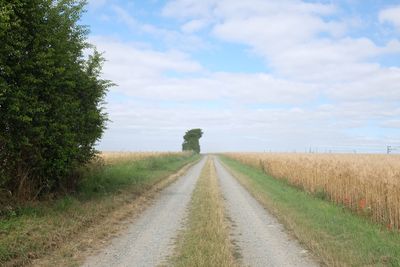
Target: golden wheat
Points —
{"points": [[114, 157], [367, 184]]}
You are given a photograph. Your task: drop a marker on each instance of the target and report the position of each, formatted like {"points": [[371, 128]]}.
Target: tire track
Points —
{"points": [[260, 237], [149, 240]]}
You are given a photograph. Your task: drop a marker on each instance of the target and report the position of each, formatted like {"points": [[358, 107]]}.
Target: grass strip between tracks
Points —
{"points": [[57, 233], [333, 233], [206, 241]]}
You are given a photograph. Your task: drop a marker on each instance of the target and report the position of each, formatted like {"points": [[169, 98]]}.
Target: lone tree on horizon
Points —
{"points": [[191, 140]]}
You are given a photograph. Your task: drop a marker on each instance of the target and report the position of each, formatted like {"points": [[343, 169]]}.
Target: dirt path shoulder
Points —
{"points": [[148, 240], [261, 239]]}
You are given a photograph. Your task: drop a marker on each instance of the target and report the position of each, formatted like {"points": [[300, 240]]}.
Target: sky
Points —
{"points": [[255, 75]]}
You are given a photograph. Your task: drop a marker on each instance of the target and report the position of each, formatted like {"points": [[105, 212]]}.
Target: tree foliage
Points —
{"points": [[51, 95], [191, 140]]}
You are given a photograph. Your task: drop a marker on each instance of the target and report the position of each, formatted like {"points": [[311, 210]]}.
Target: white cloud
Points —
{"points": [[391, 123], [142, 73], [391, 15], [188, 9], [194, 25], [172, 38], [296, 38], [154, 127], [131, 60], [323, 87], [381, 85], [97, 3], [291, 42]]}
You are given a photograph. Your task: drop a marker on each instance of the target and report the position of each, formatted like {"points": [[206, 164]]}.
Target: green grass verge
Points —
{"points": [[138, 175], [33, 230], [334, 234]]}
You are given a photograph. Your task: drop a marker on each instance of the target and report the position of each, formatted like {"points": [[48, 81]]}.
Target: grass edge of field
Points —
{"points": [[334, 235], [205, 239], [66, 230]]}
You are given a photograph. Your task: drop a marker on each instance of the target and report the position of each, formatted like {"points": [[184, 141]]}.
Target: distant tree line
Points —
{"points": [[191, 140], [51, 96]]}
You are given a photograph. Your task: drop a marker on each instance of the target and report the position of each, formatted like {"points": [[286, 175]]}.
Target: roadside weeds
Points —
{"points": [[206, 239], [67, 236], [74, 252]]}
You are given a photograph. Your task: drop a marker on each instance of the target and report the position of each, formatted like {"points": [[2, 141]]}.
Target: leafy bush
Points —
{"points": [[50, 96]]}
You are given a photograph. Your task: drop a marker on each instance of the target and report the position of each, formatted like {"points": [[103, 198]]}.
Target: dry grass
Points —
{"points": [[56, 233], [367, 184], [113, 215], [206, 240], [112, 157]]}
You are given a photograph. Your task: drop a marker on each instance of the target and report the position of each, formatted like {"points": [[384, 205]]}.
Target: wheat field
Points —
{"points": [[111, 157], [368, 184]]}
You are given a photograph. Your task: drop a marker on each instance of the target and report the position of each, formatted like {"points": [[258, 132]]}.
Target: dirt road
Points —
{"points": [[260, 238], [148, 241]]}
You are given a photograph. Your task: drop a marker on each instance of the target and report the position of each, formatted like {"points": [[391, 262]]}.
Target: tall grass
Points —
{"points": [[108, 187], [117, 170], [206, 241], [367, 184]]}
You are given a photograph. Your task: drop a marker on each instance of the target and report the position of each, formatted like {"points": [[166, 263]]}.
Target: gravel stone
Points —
{"points": [[149, 240], [261, 239]]}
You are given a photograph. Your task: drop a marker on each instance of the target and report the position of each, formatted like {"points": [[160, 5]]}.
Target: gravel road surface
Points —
{"points": [[149, 240], [262, 241]]}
